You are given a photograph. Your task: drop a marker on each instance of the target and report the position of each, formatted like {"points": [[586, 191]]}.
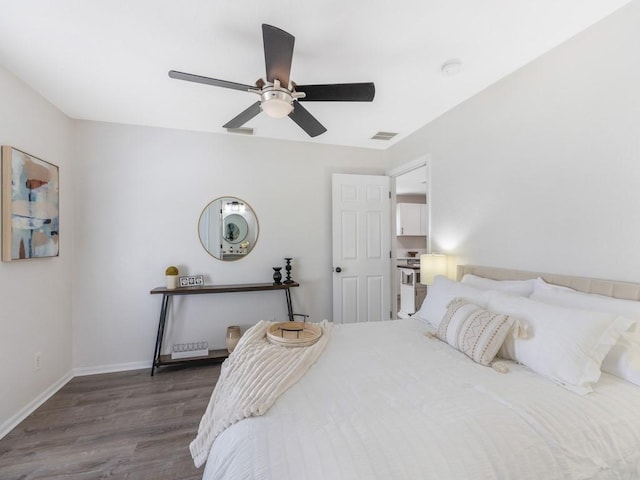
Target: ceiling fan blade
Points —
{"points": [[189, 77], [338, 92], [306, 121], [243, 117], [278, 53]]}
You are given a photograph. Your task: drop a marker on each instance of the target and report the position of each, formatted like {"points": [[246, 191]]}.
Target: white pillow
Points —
{"points": [[476, 332], [441, 293], [568, 297], [522, 288], [624, 358], [564, 344]]}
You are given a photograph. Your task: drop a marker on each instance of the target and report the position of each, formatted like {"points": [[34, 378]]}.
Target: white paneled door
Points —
{"points": [[361, 248]]}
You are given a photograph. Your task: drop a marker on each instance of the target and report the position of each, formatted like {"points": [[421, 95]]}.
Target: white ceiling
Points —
{"points": [[107, 60]]}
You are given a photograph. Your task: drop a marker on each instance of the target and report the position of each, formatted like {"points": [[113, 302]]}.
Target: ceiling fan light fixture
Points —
{"points": [[277, 103], [277, 91]]}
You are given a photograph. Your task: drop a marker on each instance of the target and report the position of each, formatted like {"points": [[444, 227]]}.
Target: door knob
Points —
{"points": [[338, 269]]}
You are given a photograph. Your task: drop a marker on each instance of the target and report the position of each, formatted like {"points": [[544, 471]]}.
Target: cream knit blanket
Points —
{"points": [[251, 380]]}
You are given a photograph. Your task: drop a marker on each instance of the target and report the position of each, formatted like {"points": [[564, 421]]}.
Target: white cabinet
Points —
{"points": [[411, 219]]}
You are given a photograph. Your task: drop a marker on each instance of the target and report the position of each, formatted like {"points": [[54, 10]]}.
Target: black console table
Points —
{"points": [[160, 360]]}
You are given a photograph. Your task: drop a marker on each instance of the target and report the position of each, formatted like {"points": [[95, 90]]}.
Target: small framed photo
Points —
{"points": [[191, 280]]}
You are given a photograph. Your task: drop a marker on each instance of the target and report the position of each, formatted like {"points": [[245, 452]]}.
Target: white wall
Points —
{"points": [[140, 192], [35, 295], [542, 170]]}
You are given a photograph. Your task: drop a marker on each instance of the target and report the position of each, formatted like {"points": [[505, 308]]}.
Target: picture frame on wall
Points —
{"points": [[30, 206]]}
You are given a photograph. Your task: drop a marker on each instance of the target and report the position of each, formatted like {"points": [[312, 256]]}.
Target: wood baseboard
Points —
{"points": [[30, 407]]}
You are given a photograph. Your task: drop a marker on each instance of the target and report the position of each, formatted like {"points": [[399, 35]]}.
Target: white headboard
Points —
{"points": [[610, 288]]}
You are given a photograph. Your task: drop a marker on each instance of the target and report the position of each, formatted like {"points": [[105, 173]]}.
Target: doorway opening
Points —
{"points": [[410, 235]]}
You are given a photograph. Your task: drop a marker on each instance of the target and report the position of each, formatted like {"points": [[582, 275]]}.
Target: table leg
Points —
{"points": [[161, 323], [287, 293]]}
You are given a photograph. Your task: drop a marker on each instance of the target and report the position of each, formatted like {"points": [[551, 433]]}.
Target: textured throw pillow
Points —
{"points": [[564, 344], [441, 293], [476, 332], [522, 288], [624, 358]]}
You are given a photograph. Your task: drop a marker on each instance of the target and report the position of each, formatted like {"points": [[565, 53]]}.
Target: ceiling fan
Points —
{"points": [[278, 93]]}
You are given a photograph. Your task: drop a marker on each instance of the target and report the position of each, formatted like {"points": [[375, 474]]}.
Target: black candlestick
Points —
{"points": [[288, 269], [277, 276]]}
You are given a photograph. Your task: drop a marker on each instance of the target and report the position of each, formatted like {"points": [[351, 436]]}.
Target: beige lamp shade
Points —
{"points": [[432, 264]]}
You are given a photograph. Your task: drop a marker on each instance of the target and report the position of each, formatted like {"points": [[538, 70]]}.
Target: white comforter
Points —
{"points": [[251, 380], [386, 402]]}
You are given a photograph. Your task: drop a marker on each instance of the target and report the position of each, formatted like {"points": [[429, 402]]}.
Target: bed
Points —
{"points": [[391, 400]]}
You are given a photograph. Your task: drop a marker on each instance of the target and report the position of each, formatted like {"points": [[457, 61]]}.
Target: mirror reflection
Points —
{"points": [[228, 228], [235, 228]]}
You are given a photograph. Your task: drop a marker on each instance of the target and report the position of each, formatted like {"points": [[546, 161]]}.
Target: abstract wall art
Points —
{"points": [[30, 206]]}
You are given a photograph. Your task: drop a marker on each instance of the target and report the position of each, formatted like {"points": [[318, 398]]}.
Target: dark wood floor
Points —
{"points": [[125, 425]]}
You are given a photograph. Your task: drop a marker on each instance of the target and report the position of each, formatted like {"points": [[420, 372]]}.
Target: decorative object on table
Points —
{"points": [[287, 267], [189, 350], [294, 334], [233, 337], [171, 274], [277, 276], [30, 206], [191, 280]]}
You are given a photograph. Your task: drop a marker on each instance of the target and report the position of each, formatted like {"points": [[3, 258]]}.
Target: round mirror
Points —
{"points": [[228, 228], [235, 228]]}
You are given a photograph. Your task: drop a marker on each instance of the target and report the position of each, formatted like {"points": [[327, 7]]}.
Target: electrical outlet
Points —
{"points": [[37, 361]]}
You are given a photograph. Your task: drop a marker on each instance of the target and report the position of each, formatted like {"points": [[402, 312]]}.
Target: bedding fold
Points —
{"points": [[251, 380]]}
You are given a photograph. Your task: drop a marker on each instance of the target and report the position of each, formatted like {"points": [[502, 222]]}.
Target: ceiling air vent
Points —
{"points": [[242, 130], [384, 136]]}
